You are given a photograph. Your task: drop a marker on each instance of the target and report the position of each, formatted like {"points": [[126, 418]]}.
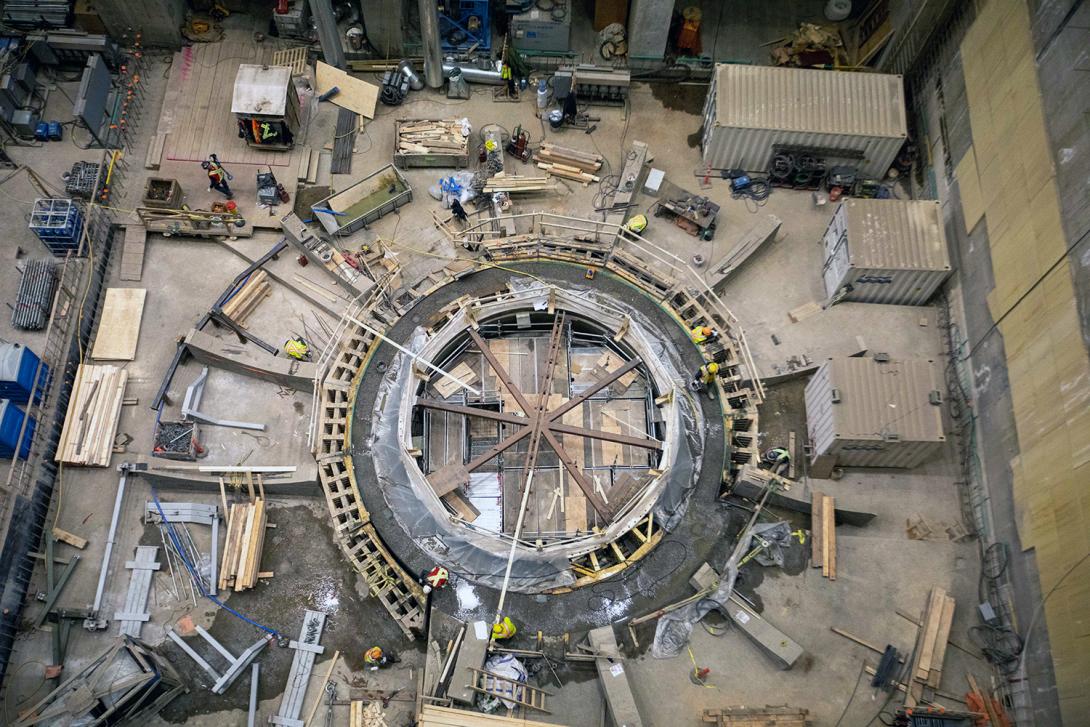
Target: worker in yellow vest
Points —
{"points": [[705, 377], [297, 348], [703, 334], [505, 629]]}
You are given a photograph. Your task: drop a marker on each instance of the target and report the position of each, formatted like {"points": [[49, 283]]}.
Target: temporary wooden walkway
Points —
{"points": [[196, 119]]}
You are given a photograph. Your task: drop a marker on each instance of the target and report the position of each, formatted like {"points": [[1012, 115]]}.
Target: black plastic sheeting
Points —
{"points": [[29, 514], [464, 550]]}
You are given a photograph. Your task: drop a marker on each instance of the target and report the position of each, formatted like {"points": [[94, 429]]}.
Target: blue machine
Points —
{"points": [[56, 131], [18, 364], [11, 421], [41, 131], [58, 223], [464, 24]]}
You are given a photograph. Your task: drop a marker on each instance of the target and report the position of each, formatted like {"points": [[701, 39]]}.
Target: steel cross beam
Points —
{"points": [[592, 390], [557, 427], [576, 474], [538, 426], [501, 372]]}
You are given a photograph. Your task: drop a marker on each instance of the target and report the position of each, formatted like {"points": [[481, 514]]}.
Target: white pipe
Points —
{"points": [[412, 355]]}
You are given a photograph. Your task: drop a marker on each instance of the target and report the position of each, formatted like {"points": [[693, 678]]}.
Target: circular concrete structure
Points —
{"points": [[645, 541]]}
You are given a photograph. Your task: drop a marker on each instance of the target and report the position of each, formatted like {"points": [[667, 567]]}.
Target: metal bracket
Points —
{"points": [[192, 401]]}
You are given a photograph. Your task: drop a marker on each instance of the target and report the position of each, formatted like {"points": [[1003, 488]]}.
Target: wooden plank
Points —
{"points": [[817, 537], [355, 95], [471, 655], [828, 525], [942, 636], [66, 537], [119, 324], [932, 622]]}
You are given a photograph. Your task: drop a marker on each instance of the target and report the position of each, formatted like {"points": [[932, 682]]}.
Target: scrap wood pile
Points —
{"points": [[931, 640], [90, 424], [240, 566], [425, 136], [579, 166], [366, 716], [810, 45], [247, 297], [513, 184]]}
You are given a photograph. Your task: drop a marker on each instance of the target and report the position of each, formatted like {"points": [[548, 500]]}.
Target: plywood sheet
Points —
{"points": [[119, 325], [972, 205], [355, 95]]}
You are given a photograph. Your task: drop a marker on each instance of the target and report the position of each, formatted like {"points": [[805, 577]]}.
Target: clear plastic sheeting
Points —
{"points": [[772, 539], [475, 550]]}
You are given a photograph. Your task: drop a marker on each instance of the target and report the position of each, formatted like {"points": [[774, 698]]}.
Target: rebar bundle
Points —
{"points": [[80, 181], [35, 297]]}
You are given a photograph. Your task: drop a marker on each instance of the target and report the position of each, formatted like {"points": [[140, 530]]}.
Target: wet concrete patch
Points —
{"points": [[310, 572], [678, 97]]}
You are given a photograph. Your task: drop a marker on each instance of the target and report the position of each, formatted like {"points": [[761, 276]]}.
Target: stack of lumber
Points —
{"points": [[247, 298], [823, 534], [240, 566], [931, 640], [503, 183], [581, 160], [426, 136], [579, 166], [435, 716], [90, 423], [756, 717]]}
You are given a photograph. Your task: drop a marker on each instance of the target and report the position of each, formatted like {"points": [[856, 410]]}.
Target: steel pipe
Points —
{"points": [[433, 47]]}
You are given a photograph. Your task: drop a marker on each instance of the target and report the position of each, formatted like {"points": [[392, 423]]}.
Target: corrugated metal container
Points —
{"points": [[869, 413], [854, 119], [885, 251]]}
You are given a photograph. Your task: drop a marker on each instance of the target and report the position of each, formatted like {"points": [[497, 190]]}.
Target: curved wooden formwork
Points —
{"points": [[657, 273]]}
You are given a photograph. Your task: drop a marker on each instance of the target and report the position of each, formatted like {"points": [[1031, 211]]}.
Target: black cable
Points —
{"points": [[858, 681]]}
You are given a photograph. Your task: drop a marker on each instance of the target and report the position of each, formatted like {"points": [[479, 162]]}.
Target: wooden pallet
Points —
{"points": [[295, 57], [509, 690], [132, 252]]}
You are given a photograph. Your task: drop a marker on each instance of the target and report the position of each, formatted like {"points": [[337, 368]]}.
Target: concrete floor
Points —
{"points": [[880, 568]]}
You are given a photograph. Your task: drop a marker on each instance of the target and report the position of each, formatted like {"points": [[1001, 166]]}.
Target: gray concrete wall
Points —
{"points": [[159, 21], [649, 27]]}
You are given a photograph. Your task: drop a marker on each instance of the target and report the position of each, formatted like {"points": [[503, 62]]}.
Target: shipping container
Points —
{"points": [[851, 119], [11, 423], [18, 369], [873, 412], [885, 251]]}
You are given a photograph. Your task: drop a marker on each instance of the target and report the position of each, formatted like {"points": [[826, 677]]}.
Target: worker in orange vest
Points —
{"points": [[375, 658]]}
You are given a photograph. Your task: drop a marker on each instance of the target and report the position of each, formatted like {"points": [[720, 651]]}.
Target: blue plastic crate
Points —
{"points": [[58, 223], [11, 421], [18, 365]]}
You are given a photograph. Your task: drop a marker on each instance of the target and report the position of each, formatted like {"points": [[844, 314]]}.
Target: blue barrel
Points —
{"points": [[11, 421], [18, 364]]}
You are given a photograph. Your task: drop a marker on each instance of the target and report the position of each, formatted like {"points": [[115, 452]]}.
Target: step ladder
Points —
{"points": [[520, 693]]}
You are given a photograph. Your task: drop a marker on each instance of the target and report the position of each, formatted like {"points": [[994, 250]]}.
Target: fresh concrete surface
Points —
{"points": [[880, 568]]}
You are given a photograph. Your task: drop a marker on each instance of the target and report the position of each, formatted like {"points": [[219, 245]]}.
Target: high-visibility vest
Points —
{"points": [[708, 372], [505, 629], [267, 131], [437, 577], [216, 173], [296, 349], [698, 334], [373, 655]]}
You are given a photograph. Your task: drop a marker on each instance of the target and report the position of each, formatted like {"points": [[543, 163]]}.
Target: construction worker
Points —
{"points": [[777, 459], [458, 211], [297, 348], [703, 334], [636, 224], [375, 658], [435, 579], [217, 178], [505, 629], [705, 376]]}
